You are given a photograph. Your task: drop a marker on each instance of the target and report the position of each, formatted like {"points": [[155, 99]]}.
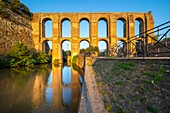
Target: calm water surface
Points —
{"points": [[42, 89]]}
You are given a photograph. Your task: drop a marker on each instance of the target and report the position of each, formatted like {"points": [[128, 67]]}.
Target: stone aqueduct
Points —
{"points": [[38, 25]]}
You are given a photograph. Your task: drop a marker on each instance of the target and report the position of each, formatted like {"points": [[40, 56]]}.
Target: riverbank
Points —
{"points": [[134, 85]]}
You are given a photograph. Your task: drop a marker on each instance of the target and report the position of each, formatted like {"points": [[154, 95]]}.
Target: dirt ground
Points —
{"points": [[130, 86]]}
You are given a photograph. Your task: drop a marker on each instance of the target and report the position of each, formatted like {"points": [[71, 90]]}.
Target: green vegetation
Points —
{"points": [[155, 77], [56, 61], [66, 53], [152, 109], [90, 50], [118, 82], [120, 67], [74, 59], [141, 86], [119, 110], [20, 55], [108, 106], [15, 6], [102, 92], [122, 96]]}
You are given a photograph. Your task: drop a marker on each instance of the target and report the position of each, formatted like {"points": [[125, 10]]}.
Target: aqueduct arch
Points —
{"points": [[128, 18]]}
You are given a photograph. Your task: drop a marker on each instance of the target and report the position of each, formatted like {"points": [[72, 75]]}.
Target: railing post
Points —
{"points": [[146, 45], [128, 47]]}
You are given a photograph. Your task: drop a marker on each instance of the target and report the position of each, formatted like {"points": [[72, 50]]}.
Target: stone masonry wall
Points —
{"points": [[14, 29]]}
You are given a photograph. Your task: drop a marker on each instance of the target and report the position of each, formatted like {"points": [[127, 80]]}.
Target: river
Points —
{"points": [[41, 89]]}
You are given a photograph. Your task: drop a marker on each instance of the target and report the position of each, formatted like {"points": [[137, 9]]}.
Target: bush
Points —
{"points": [[91, 50], [20, 55], [74, 59], [41, 58], [56, 61], [4, 62]]}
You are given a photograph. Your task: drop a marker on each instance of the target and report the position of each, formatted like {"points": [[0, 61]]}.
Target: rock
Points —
{"points": [[13, 30]]}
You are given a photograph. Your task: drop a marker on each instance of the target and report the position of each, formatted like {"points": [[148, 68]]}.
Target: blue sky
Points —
{"points": [[160, 8]]}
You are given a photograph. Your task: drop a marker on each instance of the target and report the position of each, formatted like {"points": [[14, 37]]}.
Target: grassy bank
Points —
{"points": [[133, 86]]}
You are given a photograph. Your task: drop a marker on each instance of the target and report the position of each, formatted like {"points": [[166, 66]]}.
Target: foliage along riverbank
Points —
{"points": [[133, 86], [20, 55]]}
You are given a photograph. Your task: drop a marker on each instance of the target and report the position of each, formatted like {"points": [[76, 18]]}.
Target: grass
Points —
{"points": [[108, 107], [142, 83], [121, 67], [155, 76], [152, 108], [122, 96], [101, 83], [126, 65], [143, 100], [142, 89], [102, 92], [119, 110], [119, 82], [147, 81], [113, 99]]}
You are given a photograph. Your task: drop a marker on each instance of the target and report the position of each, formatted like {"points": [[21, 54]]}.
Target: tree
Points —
{"points": [[90, 50]]}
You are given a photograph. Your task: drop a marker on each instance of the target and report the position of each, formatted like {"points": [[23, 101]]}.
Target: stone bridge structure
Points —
{"points": [[128, 18]]}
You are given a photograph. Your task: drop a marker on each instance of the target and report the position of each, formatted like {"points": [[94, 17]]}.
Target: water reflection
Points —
{"points": [[66, 96], [66, 75], [40, 89]]}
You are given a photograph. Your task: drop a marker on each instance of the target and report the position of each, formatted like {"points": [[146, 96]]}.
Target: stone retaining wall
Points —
{"points": [[14, 29]]}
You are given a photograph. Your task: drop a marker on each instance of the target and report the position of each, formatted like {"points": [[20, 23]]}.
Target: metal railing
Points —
{"points": [[145, 44]]}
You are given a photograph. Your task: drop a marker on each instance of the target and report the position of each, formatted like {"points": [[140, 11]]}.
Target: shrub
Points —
{"points": [[74, 59], [41, 57], [91, 50], [4, 62], [20, 55]]}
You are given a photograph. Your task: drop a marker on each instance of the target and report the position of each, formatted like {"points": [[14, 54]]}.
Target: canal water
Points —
{"points": [[42, 89]]}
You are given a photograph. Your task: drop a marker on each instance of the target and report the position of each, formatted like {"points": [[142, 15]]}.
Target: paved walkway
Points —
{"points": [[91, 101]]}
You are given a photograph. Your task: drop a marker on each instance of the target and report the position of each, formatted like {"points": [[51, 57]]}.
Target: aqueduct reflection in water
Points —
{"points": [[42, 89]]}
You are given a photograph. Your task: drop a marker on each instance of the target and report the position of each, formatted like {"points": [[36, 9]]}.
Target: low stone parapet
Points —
{"points": [[91, 101]]}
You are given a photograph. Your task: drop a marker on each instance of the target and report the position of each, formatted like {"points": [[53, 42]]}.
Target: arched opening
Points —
{"points": [[67, 96], [121, 48], [103, 28], [84, 44], [139, 27], [66, 75], [49, 95], [66, 90], [47, 29], [66, 28], [103, 46], [121, 28], [47, 47], [66, 50], [84, 28]]}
